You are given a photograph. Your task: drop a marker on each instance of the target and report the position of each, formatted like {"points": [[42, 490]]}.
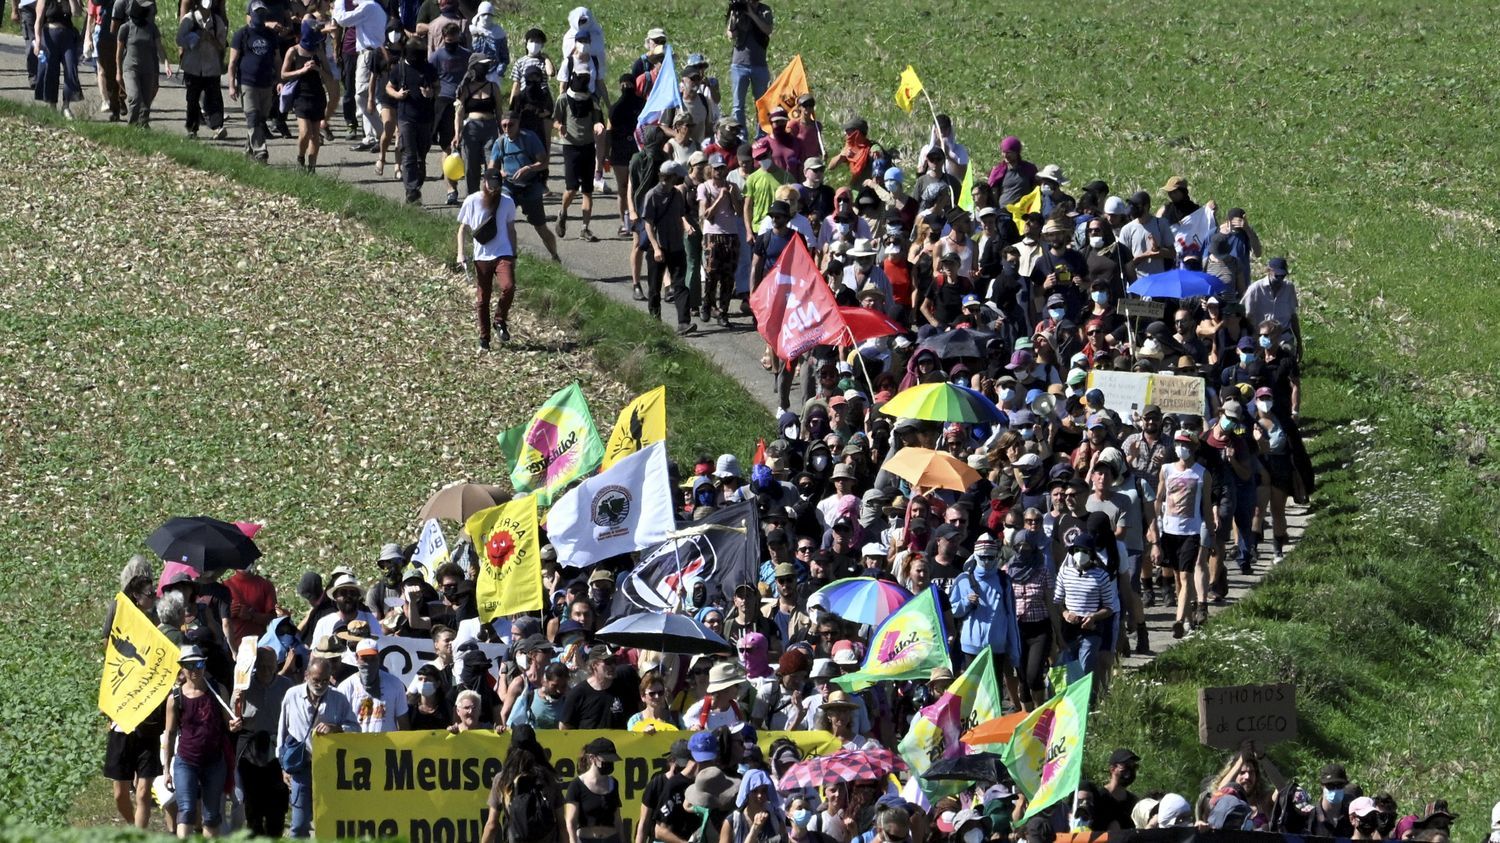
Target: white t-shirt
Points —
{"points": [[727, 717], [473, 214], [376, 715], [325, 626]]}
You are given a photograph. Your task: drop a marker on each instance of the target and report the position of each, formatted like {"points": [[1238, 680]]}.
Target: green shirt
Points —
{"points": [[760, 189]]}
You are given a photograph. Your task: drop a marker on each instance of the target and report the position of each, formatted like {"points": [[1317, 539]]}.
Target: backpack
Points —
{"points": [[530, 815]]}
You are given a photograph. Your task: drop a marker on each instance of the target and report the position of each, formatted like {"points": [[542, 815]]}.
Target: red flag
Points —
{"points": [[794, 309], [865, 324], [760, 452]]}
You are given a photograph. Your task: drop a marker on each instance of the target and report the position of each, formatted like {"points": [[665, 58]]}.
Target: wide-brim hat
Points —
{"points": [[712, 789], [725, 675]]}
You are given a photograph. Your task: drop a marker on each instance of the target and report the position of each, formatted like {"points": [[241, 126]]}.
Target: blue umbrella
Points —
{"points": [[664, 632], [1177, 284]]}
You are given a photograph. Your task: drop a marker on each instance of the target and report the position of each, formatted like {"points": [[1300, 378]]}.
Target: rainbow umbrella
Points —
{"points": [[863, 600], [943, 402]]}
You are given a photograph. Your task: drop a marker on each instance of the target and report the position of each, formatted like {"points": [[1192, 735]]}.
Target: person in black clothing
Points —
{"points": [[427, 700], [1330, 817], [473, 675], [662, 805], [664, 216], [1114, 801], [944, 304], [413, 84], [591, 704], [622, 147]]}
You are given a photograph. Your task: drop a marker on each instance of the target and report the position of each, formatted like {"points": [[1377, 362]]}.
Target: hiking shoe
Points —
{"points": [[504, 331], [1148, 597], [670, 295], [686, 328], [562, 226], [452, 198], [222, 133], [1179, 630]]}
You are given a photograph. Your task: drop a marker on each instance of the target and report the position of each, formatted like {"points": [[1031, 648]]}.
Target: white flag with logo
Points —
{"points": [[1190, 236], [627, 507], [432, 550]]}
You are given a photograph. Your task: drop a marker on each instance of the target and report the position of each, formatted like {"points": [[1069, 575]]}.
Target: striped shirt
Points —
{"points": [[1086, 592]]}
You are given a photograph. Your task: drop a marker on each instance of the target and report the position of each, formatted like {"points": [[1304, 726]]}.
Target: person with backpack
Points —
{"points": [[592, 807], [526, 800], [203, 35], [196, 738]]}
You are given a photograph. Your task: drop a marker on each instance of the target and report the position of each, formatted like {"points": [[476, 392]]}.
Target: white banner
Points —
{"points": [[626, 508], [1191, 234], [432, 550], [1124, 392], [402, 655]]}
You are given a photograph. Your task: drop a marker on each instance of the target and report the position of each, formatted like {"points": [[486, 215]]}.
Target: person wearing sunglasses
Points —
{"points": [[195, 762], [656, 706]]}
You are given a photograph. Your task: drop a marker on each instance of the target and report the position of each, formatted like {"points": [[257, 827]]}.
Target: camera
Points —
{"points": [[737, 6]]}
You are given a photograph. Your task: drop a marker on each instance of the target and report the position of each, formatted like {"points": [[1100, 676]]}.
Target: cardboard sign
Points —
{"points": [[1177, 394], [1142, 309], [1124, 392], [1264, 714]]}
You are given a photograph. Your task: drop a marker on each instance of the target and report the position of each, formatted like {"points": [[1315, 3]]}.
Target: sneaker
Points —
{"points": [[67, 112], [484, 345], [670, 295], [1142, 642], [222, 133], [452, 198], [105, 107], [1179, 630], [363, 146], [623, 231], [328, 134], [1148, 597], [282, 129], [723, 321], [192, 134], [562, 226], [504, 331], [301, 160], [587, 236], [413, 197], [1245, 568], [685, 329], [353, 133]]}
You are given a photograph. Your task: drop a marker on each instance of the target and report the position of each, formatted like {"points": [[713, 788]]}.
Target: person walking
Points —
{"points": [[258, 781], [1182, 523], [140, 48], [203, 34], [578, 118], [477, 117], [664, 215], [56, 36], [522, 159], [313, 708], [719, 205], [413, 84], [253, 72], [197, 728], [490, 216], [368, 19], [306, 66]]}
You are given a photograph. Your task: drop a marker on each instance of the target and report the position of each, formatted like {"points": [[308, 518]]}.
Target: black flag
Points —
{"points": [[721, 552]]}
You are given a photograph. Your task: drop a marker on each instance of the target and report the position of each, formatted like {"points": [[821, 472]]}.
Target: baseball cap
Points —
{"points": [[367, 647], [703, 746]]}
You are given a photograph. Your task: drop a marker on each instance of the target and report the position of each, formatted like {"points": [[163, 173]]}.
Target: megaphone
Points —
{"points": [[1044, 404]]}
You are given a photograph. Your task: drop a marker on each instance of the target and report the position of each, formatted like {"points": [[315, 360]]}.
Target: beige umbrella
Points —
{"points": [[457, 501]]}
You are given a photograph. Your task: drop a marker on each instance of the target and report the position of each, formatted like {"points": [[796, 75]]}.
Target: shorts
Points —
{"points": [[529, 200], [578, 168], [641, 240], [132, 755], [1129, 564], [1179, 553]]}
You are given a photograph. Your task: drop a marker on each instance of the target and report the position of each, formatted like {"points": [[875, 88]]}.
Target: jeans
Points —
{"points": [[486, 273], [258, 104], [676, 263], [416, 141], [1083, 649], [349, 80], [301, 800], [369, 113], [205, 102], [196, 783], [265, 797], [1244, 520], [477, 135], [28, 26], [62, 46], [743, 80]]}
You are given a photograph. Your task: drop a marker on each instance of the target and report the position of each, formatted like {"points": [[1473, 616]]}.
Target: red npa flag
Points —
{"points": [[794, 309]]}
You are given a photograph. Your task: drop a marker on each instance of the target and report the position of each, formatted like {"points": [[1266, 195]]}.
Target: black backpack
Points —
{"points": [[530, 814]]}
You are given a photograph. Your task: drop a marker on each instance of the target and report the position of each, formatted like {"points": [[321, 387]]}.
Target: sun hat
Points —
{"points": [[725, 675]]}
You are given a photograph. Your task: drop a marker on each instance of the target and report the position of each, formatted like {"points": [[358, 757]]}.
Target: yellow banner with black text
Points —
{"points": [[433, 787]]}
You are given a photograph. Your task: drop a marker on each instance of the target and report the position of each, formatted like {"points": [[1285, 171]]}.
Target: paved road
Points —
{"points": [[604, 264]]}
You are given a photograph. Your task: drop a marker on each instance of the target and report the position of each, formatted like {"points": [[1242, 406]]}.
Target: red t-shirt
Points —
{"points": [[255, 592]]}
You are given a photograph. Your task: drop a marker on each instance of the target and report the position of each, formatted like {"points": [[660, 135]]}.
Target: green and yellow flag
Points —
{"points": [[906, 645], [642, 422], [972, 699], [510, 558], [1031, 203], [140, 667], [908, 89], [966, 189], [559, 446], [1045, 754]]}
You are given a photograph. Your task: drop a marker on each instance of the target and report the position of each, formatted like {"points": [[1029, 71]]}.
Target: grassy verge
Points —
{"points": [[194, 333]]}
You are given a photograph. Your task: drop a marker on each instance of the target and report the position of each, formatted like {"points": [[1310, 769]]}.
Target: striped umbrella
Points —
{"points": [[943, 402], [863, 600]]}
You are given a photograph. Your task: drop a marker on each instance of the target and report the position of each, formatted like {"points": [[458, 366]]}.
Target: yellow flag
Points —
{"points": [[908, 88], [1031, 203], [140, 667], [784, 91], [642, 422], [510, 558]]}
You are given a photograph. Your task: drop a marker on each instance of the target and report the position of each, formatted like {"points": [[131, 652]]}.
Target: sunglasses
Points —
{"points": [[656, 694], [198, 665], [807, 548]]}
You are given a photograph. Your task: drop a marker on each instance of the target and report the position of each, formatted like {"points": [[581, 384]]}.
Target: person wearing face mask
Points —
{"points": [[1183, 515], [253, 73], [140, 48], [1364, 816], [591, 807], [376, 695], [1058, 268], [1330, 817], [760, 189], [1276, 460], [1032, 580], [312, 708], [1107, 259], [203, 34], [1274, 297], [984, 602], [1114, 802], [426, 706], [1086, 594], [306, 64]]}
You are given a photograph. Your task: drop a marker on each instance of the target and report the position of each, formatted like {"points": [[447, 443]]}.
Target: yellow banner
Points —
{"points": [[642, 422], [1031, 203], [510, 559], [140, 667], [434, 786]]}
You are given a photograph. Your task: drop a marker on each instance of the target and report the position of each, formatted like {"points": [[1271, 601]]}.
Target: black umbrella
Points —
{"points": [[665, 632], [207, 544], [977, 767], [959, 342]]}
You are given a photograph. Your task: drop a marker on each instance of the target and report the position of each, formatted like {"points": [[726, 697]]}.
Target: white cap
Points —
{"points": [[822, 668], [1116, 205]]}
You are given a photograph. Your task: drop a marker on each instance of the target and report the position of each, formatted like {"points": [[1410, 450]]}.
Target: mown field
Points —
{"points": [[1355, 135], [174, 341]]}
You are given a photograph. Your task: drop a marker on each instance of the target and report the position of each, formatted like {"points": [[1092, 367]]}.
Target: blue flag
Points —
{"points": [[664, 93]]}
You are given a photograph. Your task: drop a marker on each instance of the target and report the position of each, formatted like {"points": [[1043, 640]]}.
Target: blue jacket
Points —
{"points": [[992, 621]]}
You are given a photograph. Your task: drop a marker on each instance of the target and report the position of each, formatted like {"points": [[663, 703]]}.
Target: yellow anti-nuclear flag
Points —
{"points": [[140, 667], [510, 558], [1031, 203], [642, 423], [908, 89]]}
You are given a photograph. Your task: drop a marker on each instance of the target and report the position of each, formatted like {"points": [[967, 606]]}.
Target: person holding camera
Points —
{"points": [[748, 26]]}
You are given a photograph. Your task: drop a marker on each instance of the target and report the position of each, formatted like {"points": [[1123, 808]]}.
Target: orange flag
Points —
{"points": [[784, 91]]}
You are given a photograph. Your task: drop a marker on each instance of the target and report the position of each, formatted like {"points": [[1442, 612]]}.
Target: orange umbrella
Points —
{"points": [[998, 730], [931, 469]]}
